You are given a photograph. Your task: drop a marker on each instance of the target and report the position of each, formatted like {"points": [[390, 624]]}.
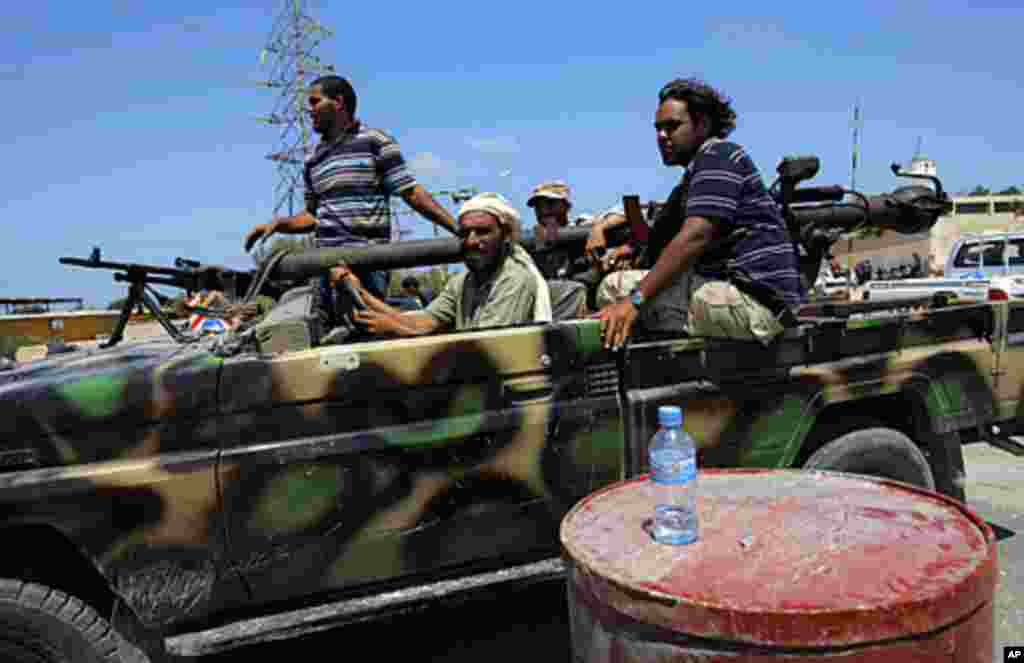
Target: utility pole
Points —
{"points": [[290, 65], [457, 196], [855, 124]]}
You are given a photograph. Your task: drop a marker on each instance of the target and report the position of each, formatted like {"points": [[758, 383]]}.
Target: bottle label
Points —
{"points": [[680, 471]]}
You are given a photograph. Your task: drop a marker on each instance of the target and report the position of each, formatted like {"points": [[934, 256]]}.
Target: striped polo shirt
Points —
{"points": [[352, 180], [723, 185]]}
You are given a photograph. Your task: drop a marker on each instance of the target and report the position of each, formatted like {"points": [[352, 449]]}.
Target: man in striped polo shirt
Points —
{"points": [[349, 180], [721, 260]]}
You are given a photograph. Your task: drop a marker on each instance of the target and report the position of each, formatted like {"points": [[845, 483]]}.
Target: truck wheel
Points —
{"points": [[43, 625], [877, 452]]}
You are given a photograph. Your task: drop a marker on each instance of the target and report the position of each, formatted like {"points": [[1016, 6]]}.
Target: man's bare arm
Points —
{"points": [[420, 200], [412, 323], [597, 242], [382, 318], [303, 222]]}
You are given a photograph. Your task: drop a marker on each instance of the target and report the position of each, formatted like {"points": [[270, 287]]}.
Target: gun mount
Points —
{"points": [[817, 217], [189, 275]]}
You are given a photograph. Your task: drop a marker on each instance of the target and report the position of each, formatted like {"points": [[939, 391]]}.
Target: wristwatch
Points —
{"points": [[637, 297]]}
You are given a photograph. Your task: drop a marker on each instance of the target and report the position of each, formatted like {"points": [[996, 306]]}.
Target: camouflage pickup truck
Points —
{"points": [[187, 494]]}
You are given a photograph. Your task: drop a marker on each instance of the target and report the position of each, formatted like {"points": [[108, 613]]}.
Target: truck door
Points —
{"points": [[746, 415], [347, 465]]}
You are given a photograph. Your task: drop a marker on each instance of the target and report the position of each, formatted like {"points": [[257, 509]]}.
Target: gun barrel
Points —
{"points": [[122, 267], [907, 210], [194, 276], [415, 253]]}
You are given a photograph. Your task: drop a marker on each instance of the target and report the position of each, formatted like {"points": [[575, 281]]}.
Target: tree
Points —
{"points": [[434, 280], [437, 278], [9, 344], [980, 191], [1011, 190]]}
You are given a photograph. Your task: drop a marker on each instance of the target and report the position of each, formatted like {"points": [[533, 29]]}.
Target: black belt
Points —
{"points": [[764, 296]]}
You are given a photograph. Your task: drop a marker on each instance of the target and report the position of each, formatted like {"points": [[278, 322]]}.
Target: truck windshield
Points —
{"points": [[971, 255]]}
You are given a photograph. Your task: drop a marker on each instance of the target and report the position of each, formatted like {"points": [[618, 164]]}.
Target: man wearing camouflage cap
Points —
{"points": [[551, 204], [501, 285]]}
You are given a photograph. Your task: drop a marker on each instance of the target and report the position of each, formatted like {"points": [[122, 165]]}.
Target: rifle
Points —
{"points": [[189, 275]]}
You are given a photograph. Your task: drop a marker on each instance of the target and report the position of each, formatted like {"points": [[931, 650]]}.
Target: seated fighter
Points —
{"points": [[501, 285], [551, 204]]}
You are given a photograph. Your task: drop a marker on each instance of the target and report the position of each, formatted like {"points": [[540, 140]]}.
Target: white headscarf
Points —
{"points": [[495, 205]]}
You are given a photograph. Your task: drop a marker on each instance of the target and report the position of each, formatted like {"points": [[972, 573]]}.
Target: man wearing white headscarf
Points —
{"points": [[501, 285]]}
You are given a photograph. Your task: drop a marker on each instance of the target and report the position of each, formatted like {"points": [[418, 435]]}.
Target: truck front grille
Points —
{"points": [[602, 380]]}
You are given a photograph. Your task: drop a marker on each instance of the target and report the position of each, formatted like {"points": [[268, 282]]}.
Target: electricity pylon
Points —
{"points": [[290, 65]]}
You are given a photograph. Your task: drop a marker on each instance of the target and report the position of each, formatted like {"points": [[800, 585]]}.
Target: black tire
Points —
{"points": [[39, 624], [877, 452]]}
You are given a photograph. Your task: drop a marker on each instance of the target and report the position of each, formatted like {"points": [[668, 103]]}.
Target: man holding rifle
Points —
{"points": [[721, 260], [501, 285]]}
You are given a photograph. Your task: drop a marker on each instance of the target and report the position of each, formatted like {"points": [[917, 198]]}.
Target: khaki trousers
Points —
{"points": [[697, 306]]}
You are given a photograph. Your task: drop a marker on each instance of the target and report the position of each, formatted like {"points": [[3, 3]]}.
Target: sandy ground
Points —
{"points": [[995, 491]]}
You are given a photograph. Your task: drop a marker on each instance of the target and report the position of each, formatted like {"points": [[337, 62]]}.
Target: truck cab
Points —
{"points": [[986, 256]]}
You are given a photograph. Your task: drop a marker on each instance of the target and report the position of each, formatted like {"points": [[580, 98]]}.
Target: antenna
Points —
{"points": [[917, 148], [856, 124], [289, 64]]}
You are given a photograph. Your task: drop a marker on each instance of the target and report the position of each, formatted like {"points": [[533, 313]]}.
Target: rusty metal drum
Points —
{"points": [[791, 567]]}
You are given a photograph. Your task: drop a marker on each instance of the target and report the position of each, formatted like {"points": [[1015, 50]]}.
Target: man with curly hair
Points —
{"points": [[720, 258]]}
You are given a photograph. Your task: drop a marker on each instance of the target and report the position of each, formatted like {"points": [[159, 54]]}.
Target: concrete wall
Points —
{"points": [[937, 243], [68, 326], [890, 248]]}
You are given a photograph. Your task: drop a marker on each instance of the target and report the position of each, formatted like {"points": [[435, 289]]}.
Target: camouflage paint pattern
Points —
{"points": [[196, 483]]}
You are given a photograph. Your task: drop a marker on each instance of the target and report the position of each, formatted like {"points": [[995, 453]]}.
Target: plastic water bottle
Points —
{"points": [[672, 457]]}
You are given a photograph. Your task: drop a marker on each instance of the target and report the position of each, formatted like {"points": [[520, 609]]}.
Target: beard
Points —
{"points": [[478, 263], [481, 264], [323, 123]]}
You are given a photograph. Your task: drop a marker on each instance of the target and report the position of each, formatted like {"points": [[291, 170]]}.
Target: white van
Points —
{"points": [[986, 256]]}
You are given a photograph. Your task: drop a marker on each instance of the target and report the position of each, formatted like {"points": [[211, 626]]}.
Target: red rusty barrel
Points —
{"points": [[791, 567]]}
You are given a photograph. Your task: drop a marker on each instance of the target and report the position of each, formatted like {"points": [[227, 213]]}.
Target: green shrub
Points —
{"points": [[10, 344]]}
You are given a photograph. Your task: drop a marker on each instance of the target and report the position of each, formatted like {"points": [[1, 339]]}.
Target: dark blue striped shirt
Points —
{"points": [[352, 180], [724, 186]]}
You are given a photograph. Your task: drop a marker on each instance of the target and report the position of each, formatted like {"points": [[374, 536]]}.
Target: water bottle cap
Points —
{"points": [[670, 415]]}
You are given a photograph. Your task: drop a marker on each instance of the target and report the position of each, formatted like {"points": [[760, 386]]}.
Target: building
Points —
{"points": [[921, 165], [971, 215]]}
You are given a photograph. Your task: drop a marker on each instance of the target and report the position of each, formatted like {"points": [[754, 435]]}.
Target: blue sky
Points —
{"points": [[132, 125]]}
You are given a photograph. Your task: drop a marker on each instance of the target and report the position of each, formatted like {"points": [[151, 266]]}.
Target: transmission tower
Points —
{"points": [[290, 65]]}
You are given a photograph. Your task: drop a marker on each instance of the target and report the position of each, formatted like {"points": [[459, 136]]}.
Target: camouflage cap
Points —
{"points": [[495, 205], [555, 190]]}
